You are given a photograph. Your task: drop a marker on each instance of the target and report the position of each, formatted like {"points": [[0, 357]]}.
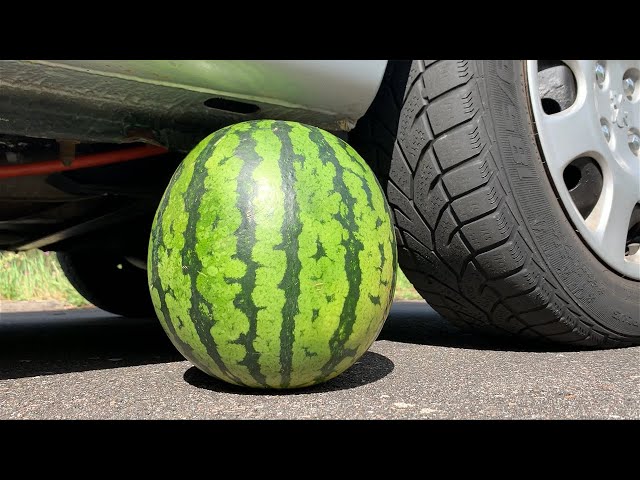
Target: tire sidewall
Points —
{"points": [[610, 300]]}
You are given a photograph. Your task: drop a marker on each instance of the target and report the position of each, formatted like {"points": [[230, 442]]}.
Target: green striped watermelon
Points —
{"points": [[272, 260]]}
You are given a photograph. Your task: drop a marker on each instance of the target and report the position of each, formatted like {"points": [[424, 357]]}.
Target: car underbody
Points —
{"points": [[57, 115]]}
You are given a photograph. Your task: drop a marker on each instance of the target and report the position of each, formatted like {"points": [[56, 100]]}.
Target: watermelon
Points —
{"points": [[272, 258]]}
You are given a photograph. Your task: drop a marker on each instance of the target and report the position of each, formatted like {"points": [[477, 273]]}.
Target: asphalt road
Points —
{"points": [[89, 364]]}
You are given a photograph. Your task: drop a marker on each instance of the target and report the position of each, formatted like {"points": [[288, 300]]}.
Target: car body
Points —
{"points": [[171, 102]]}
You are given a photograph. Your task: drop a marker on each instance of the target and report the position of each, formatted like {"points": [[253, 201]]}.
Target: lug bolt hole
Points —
{"points": [[630, 84], [601, 73], [606, 129], [634, 141]]}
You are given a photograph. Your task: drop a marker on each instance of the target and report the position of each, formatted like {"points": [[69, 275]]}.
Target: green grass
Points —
{"points": [[404, 289], [36, 275]]}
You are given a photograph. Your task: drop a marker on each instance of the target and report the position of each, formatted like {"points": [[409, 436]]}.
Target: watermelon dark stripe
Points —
{"points": [[357, 160], [220, 219], [323, 277], [243, 300], [394, 261], [192, 262], [270, 255], [269, 215], [291, 228], [352, 247], [156, 286], [177, 294]]}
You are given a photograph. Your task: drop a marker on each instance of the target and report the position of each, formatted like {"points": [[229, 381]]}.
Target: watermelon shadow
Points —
{"points": [[370, 368]]}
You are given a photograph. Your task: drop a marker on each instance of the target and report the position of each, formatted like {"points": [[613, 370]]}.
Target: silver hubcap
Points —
{"points": [[601, 124]]}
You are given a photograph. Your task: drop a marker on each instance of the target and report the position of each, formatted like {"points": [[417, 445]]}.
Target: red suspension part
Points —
{"points": [[84, 161]]}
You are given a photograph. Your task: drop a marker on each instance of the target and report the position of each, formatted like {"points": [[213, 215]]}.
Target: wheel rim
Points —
{"points": [[599, 128]]}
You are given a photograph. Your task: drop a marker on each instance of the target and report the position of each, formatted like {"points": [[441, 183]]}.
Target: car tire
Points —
{"points": [[481, 232], [108, 281]]}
